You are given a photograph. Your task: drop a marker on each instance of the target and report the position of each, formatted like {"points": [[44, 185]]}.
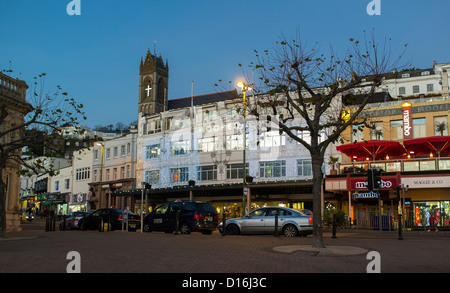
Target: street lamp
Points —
{"points": [[101, 175], [244, 87]]}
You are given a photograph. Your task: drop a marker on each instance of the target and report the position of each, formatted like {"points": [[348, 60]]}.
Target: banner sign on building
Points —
{"points": [[407, 121]]}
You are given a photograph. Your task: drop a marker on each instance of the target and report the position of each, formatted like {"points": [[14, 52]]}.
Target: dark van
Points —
{"points": [[192, 216]]}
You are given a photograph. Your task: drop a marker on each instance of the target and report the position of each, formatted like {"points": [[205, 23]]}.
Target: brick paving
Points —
{"points": [[33, 250]]}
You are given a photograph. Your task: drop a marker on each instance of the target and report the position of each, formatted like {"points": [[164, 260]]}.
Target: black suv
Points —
{"points": [[192, 216]]}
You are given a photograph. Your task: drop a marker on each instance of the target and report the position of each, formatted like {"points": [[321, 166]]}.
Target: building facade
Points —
{"points": [[408, 142], [13, 103]]}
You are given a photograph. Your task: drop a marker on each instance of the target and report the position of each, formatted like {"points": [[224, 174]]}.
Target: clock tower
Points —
{"points": [[153, 85]]}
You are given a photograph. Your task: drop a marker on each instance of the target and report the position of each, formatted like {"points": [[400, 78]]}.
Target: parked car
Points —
{"points": [[72, 220], [115, 217], [192, 216], [262, 221]]}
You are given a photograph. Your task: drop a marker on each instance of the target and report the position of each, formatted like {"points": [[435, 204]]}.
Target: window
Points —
{"points": [[180, 147], [128, 171], [207, 173], [358, 132], [179, 175], [107, 174], [257, 213], [154, 126], [405, 75], [96, 155], [67, 183], [440, 126], [56, 185], [430, 87], [152, 151], [207, 144], [402, 90], [114, 173], [235, 142], [272, 139], [377, 133], [419, 129], [108, 153], [128, 148], [425, 73], [122, 151], [122, 172], [82, 173], [304, 167], [116, 152], [416, 89], [272, 169], [162, 209], [235, 171], [397, 130], [152, 177]]}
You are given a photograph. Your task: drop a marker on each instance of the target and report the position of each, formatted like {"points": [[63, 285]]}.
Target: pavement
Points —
{"points": [[33, 250]]}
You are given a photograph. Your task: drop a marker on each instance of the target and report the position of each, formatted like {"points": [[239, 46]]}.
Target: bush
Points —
{"points": [[340, 217]]}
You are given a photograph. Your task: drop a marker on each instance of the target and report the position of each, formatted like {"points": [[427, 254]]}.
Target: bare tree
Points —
{"points": [[306, 89], [45, 114]]}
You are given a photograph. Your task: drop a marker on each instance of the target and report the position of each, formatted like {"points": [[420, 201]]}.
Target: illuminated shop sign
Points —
{"points": [[365, 195], [385, 183], [407, 121]]}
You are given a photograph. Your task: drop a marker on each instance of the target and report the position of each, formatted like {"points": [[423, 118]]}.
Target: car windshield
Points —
{"points": [[206, 207]]}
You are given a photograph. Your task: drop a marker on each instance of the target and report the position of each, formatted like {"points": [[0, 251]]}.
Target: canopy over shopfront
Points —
{"points": [[372, 149], [436, 145]]}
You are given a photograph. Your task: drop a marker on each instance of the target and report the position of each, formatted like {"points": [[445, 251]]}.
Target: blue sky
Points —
{"points": [[95, 56]]}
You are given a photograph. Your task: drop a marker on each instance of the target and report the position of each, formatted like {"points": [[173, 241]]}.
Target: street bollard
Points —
{"points": [[400, 228], [334, 227], [177, 224], [64, 223], [276, 225], [46, 225], [224, 222]]}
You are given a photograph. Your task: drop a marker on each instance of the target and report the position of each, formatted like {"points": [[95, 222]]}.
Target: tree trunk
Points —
{"points": [[317, 162]]}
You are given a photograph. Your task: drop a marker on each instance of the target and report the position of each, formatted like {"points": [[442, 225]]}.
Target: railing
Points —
{"points": [[403, 165]]}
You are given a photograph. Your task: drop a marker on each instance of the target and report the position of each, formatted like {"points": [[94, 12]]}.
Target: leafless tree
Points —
{"points": [[45, 114], [306, 89]]}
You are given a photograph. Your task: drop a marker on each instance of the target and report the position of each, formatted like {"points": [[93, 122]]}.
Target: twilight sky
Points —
{"points": [[95, 56]]}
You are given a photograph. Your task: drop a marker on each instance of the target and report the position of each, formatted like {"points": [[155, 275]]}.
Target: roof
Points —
{"points": [[202, 100]]}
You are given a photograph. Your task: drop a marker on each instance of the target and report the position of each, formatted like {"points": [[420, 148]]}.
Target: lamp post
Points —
{"points": [[244, 87], [101, 175]]}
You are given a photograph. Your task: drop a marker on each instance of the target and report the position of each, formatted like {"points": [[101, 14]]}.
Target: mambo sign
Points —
{"points": [[365, 195], [407, 120], [358, 184]]}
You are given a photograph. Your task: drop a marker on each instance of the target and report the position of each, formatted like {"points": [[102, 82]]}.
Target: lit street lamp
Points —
{"points": [[244, 87], [101, 175]]}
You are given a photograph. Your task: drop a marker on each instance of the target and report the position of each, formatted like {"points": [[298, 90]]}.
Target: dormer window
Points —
{"points": [[405, 75], [425, 73]]}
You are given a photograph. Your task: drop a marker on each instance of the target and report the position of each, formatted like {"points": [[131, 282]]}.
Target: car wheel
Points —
{"points": [[232, 229], [83, 226], [184, 229], [290, 231]]}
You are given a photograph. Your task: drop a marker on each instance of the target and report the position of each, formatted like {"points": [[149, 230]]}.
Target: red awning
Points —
{"points": [[372, 149], [438, 145]]}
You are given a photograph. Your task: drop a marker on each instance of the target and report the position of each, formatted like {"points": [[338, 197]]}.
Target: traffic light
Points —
{"points": [[369, 179], [376, 179], [397, 193]]}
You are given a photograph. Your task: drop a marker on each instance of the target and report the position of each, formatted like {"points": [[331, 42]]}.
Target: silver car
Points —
{"points": [[262, 221]]}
